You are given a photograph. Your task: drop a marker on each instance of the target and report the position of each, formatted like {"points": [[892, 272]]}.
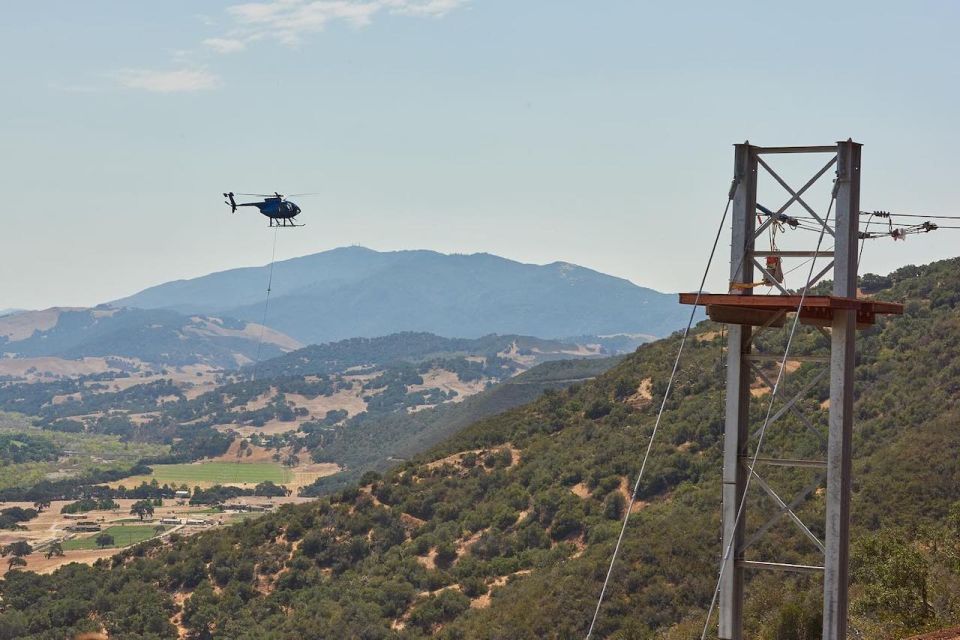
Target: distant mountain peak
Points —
{"points": [[355, 291]]}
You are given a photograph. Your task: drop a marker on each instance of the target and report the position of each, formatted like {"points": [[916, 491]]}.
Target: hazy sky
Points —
{"points": [[593, 132]]}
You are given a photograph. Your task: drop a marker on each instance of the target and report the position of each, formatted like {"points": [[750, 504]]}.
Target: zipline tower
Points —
{"points": [[748, 314]]}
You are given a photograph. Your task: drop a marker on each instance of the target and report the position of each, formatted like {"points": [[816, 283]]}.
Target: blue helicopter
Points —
{"points": [[276, 207]]}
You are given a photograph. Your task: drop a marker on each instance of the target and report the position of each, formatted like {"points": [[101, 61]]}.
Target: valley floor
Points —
{"points": [[51, 526]]}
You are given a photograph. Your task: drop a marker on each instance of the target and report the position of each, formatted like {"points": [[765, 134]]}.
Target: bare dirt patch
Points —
{"points": [[581, 351], [348, 399], [456, 459], [581, 490], [448, 381], [513, 353], [643, 395], [429, 561], [39, 563], [483, 601], [627, 492], [411, 522], [272, 428], [464, 544]]}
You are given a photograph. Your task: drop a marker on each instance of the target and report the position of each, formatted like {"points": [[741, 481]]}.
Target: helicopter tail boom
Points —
{"points": [[230, 201]]}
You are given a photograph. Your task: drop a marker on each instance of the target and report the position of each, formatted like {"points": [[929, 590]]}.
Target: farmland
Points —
{"points": [[123, 536], [211, 473]]}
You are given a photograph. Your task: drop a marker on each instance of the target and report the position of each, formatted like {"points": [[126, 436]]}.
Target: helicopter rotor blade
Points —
{"points": [[275, 194]]}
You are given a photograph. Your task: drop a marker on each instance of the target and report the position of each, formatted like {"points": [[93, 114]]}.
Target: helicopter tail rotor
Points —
{"points": [[230, 201]]}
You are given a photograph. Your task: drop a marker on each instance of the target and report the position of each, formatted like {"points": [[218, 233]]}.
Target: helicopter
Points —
{"points": [[276, 207]]}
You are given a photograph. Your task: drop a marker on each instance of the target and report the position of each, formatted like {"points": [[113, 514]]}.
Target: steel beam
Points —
{"points": [[781, 566], [737, 422], [839, 454], [794, 254], [815, 149], [778, 358], [793, 462]]}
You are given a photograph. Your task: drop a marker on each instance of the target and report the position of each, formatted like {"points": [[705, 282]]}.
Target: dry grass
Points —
{"points": [[21, 326], [48, 367], [349, 400]]}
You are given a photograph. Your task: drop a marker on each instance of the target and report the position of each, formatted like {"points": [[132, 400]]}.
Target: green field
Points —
{"points": [[209, 473], [123, 536]]}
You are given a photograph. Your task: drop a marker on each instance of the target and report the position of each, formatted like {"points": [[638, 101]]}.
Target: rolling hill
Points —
{"points": [[356, 292], [357, 403], [504, 530], [105, 338]]}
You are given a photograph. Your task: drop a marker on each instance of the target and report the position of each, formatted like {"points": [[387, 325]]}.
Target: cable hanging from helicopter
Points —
{"points": [[281, 213]]}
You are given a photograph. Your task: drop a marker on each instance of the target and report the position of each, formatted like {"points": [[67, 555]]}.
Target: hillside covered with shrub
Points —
{"points": [[504, 531]]}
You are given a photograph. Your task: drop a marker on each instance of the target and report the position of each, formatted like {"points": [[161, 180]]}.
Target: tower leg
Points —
{"points": [[737, 421], [842, 358]]}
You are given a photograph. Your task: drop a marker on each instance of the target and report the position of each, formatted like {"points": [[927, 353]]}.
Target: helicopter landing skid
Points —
{"points": [[284, 223]]}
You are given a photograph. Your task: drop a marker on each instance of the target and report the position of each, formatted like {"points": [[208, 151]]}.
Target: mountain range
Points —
{"points": [[357, 292], [505, 530]]}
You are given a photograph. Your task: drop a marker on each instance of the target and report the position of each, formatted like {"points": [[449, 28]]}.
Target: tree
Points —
{"points": [[893, 575], [16, 551], [19, 548], [104, 540], [55, 549], [614, 505], [446, 554], [269, 489], [142, 508]]}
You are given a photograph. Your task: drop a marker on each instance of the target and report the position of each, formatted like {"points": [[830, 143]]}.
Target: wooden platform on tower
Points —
{"points": [[771, 310]]}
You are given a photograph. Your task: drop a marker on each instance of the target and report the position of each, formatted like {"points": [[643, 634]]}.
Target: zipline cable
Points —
{"points": [[863, 239], [912, 215], [766, 421], [266, 304], [663, 404]]}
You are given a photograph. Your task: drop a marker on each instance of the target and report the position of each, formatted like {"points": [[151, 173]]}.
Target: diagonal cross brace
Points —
{"points": [[795, 195], [809, 184], [790, 405], [800, 497]]}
